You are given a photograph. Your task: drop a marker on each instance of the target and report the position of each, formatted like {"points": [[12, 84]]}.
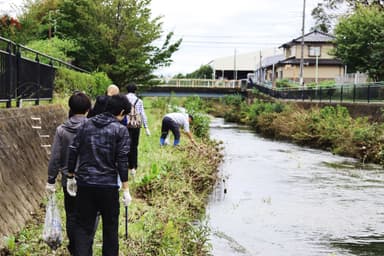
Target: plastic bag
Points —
{"points": [[52, 231]]}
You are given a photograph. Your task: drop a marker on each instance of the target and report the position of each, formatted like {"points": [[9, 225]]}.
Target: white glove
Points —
{"points": [[147, 131], [71, 186], [133, 171], [126, 197], [50, 188]]}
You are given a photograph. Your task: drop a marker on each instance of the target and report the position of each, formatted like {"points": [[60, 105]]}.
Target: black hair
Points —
{"points": [[79, 103], [131, 88], [117, 103], [191, 117]]}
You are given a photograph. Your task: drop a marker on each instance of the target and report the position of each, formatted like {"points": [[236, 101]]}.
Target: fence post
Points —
{"points": [[320, 94], [341, 94], [37, 101], [368, 93], [354, 93], [9, 72]]}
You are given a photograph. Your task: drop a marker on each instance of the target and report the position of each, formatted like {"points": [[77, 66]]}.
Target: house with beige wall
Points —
{"points": [[319, 64]]}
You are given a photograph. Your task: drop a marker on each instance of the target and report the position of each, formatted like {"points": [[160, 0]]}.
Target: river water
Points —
{"points": [[277, 198]]}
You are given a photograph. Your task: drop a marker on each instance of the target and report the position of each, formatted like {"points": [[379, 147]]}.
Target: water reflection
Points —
{"points": [[364, 246], [286, 200]]}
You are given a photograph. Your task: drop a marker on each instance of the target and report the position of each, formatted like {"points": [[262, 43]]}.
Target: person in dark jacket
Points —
{"points": [[101, 101], [79, 104], [100, 150]]}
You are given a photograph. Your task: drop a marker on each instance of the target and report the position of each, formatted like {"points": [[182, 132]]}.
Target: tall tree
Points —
{"points": [[116, 36], [327, 12], [360, 41]]}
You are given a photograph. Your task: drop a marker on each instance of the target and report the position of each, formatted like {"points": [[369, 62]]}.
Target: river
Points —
{"points": [[276, 198]]}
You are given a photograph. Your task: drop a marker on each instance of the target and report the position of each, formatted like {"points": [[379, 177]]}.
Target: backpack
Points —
{"points": [[134, 118]]}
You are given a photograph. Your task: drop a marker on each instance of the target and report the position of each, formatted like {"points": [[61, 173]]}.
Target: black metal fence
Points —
{"points": [[372, 92], [26, 79]]}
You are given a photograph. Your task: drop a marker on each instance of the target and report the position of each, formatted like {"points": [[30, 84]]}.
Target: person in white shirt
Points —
{"points": [[134, 133], [173, 122]]}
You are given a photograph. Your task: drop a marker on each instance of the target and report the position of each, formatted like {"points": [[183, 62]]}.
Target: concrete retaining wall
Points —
{"points": [[24, 155]]}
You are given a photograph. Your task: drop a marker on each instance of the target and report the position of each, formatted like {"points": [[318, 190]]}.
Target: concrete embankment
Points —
{"points": [[25, 138]]}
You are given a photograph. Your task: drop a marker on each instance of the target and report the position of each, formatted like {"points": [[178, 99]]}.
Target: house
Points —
{"points": [[319, 64]]}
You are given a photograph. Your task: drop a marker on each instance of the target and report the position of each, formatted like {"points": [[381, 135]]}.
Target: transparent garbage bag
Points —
{"points": [[52, 231]]}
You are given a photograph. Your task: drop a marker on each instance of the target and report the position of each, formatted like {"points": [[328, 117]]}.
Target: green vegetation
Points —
{"points": [[285, 83], [57, 48], [359, 40], [329, 128], [204, 72], [170, 192], [120, 38], [323, 84], [67, 81], [325, 13]]}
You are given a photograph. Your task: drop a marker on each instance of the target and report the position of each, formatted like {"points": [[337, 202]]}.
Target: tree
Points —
{"points": [[359, 41], [326, 13], [9, 26], [116, 36], [204, 72]]}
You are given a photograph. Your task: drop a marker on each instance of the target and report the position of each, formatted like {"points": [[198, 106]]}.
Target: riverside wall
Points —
{"points": [[25, 138]]}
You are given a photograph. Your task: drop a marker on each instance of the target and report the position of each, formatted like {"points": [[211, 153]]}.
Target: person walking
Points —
{"points": [[137, 113], [79, 104], [100, 150], [101, 101], [173, 122]]}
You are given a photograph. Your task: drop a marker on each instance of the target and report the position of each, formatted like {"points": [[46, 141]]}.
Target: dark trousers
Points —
{"points": [[70, 213], [90, 201], [134, 134], [168, 124]]}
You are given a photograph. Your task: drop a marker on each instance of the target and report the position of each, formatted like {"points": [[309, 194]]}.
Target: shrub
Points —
{"points": [[68, 81]]}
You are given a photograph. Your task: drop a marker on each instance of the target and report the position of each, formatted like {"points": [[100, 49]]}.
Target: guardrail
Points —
{"points": [[210, 83], [370, 92]]}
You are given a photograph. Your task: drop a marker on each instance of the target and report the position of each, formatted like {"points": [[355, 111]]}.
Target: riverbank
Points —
{"points": [[170, 193], [329, 128]]}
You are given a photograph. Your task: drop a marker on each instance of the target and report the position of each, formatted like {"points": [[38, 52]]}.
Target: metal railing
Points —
{"points": [[370, 92], [23, 78], [210, 83]]}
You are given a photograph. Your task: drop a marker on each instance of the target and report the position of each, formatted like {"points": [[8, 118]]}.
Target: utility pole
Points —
{"points": [[302, 48], [260, 67], [234, 66]]}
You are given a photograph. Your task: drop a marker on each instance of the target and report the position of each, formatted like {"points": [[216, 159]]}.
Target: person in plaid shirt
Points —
{"points": [[134, 133]]}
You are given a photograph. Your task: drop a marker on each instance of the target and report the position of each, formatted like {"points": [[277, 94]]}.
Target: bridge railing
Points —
{"points": [[210, 83], [370, 92]]}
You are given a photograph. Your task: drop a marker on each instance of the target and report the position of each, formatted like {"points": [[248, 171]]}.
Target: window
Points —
{"points": [[314, 51]]}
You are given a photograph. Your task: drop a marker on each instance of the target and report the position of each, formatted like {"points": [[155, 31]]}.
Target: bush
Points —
{"points": [[55, 47], [67, 81], [285, 83], [232, 100]]}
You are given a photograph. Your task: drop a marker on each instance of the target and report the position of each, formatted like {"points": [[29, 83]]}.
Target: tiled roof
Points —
{"points": [[312, 37]]}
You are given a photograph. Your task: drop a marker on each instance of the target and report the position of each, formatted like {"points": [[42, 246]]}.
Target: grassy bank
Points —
{"points": [[329, 128], [169, 193]]}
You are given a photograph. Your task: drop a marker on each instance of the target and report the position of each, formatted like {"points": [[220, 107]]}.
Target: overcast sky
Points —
{"points": [[218, 28]]}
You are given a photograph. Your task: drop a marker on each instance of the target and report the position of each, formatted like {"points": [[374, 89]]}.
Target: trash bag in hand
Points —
{"points": [[52, 231]]}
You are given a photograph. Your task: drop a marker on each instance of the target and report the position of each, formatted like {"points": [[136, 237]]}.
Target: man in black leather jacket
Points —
{"points": [[100, 149]]}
